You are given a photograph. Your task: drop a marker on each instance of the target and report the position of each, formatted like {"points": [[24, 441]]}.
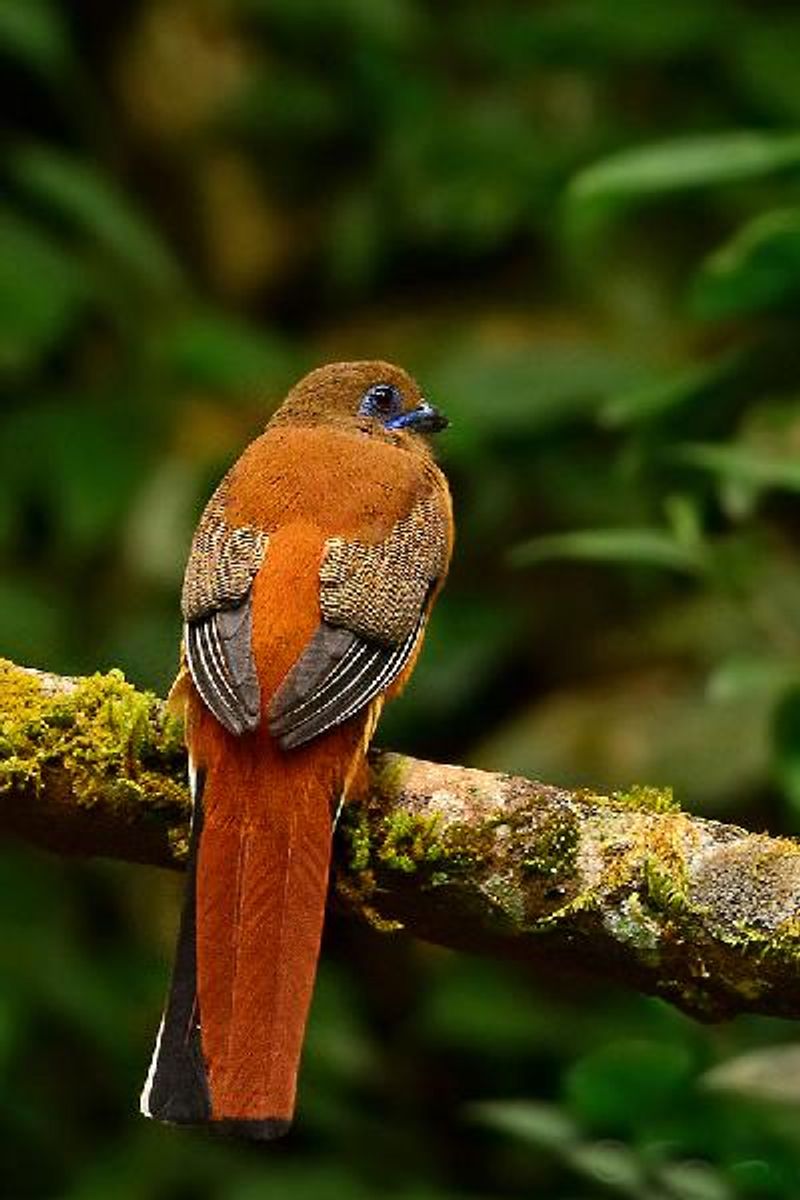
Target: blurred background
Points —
{"points": [[578, 223]]}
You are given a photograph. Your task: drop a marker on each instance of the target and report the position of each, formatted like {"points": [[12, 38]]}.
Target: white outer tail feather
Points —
{"points": [[144, 1099]]}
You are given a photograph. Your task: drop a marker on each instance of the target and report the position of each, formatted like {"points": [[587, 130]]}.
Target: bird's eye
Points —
{"points": [[382, 401]]}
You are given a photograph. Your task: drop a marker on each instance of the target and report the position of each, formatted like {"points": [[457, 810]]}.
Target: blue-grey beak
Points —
{"points": [[422, 419]]}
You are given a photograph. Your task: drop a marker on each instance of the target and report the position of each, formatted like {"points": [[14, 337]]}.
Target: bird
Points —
{"points": [[309, 584]]}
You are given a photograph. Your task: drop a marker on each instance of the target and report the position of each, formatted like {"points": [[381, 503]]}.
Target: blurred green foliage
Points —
{"points": [[579, 224]]}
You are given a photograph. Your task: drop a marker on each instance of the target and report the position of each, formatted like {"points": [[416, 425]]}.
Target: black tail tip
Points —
{"points": [[252, 1129], [255, 1129]]}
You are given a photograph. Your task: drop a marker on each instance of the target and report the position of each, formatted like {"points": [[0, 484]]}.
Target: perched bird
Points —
{"points": [[310, 581]]}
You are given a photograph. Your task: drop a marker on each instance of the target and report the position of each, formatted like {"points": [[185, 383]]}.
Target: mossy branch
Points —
{"points": [[623, 887]]}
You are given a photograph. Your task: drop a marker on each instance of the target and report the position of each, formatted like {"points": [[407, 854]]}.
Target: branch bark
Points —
{"points": [[623, 887]]}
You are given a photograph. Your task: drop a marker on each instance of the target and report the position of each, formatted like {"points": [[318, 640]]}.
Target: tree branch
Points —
{"points": [[623, 887]]}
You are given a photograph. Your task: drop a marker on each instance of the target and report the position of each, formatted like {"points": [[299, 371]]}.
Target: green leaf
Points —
{"points": [[771, 1073], [538, 1124], [759, 268], [694, 1181], [686, 163], [629, 547], [80, 195], [742, 465], [549, 1128], [494, 391], [33, 31], [741, 675], [42, 292], [656, 397], [614, 1166]]}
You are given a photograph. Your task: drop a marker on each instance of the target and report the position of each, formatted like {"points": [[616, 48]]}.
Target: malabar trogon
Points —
{"points": [[310, 580]]}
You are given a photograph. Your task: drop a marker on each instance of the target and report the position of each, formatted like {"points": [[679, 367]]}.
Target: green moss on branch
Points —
{"points": [[90, 764], [623, 887]]}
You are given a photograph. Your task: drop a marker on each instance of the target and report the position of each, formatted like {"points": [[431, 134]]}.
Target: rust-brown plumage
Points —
{"points": [[309, 584]]}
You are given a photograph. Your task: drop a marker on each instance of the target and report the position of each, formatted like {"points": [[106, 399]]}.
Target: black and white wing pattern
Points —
{"points": [[217, 611], [374, 602]]}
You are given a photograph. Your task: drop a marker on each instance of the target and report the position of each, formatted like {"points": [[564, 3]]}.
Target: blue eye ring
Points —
{"points": [[382, 401]]}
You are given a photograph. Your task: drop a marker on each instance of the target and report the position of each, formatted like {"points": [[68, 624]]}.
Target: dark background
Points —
{"points": [[578, 223]]}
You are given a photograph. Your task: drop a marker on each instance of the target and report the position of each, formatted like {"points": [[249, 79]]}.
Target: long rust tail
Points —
{"points": [[261, 891], [231, 1040]]}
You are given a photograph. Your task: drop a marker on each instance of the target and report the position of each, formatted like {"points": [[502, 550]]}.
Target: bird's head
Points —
{"points": [[374, 397]]}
